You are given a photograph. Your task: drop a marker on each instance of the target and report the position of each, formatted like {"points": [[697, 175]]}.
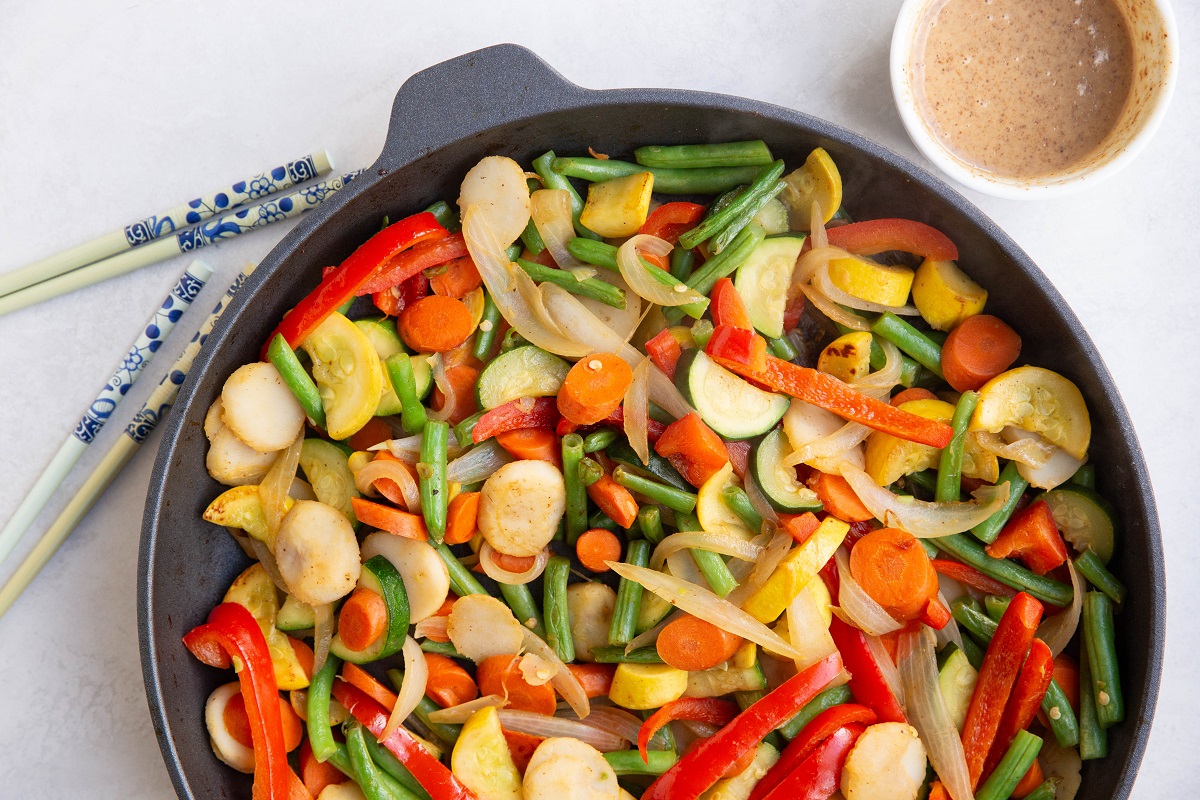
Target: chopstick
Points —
{"points": [[290, 205], [126, 447], [165, 223], [154, 333]]}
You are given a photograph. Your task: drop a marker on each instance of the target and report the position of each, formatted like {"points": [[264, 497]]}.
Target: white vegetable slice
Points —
{"points": [[551, 212], [426, 579], [233, 462], [568, 769], [480, 626], [860, 608], [225, 747], [920, 518], [260, 409], [807, 426], [317, 553], [727, 544], [212, 419], [886, 763], [638, 277], [590, 609], [1059, 630], [496, 188], [457, 715], [927, 711], [412, 687], [520, 507]]}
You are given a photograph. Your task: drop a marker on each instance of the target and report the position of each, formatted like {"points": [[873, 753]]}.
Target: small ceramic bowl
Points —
{"points": [[1156, 62]]}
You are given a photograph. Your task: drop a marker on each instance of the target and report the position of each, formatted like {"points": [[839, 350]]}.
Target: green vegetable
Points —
{"points": [[400, 372], [725, 679], [392, 767], [910, 340], [702, 331], [589, 287], [615, 654], [524, 607], [710, 180], [543, 165], [949, 480], [524, 371], [674, 499], [602, 254], [558, 619], [601, 520], [620, 451], [1047, 791], [736, 499], [650, 521], [740, 210], [1093, 738], [462, 581], [724, 263], [380, 576], [1099, 638], [1008, 773], [683, 261], [698, 156], [368, 776], [956, 680], [440, 648], [462, 431], [599, 440], [576, 513], [1092, 568], [445, 216], [970, 551], [320, 688], [995, 606], [296, 379], [990, 528], [489, 323], [629, 596], [834, 696], [1085, 476], [782, 347], [777, 479], [1087, 520], [590, 471], [762, 281], [629, 762], [431, 471], [327, 468]]}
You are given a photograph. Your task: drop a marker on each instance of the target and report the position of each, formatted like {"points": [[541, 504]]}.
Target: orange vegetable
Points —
{"points": [[521, 746], [512, 563], [938, 792], [727, 306], [449, 684], [690, 643], [375, 431], [799, 526], [237, 722], [362, 619], [461, 518], [594, 388], [1034, 777], [838, 498], [664, 350], [892, 567], [362, 680], [692, 448], [392, 520], [909, 395], [304, 655], [316, 775], [456, 278], [979, 349], [739, 458], [462, 380], [435, 324], [596, 546], [447, 606], [538, 444], [1032, 536], [614, 500], [502, 675], [389, 488], [596, 679]]}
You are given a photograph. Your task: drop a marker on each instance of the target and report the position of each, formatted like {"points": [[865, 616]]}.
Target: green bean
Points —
{"points": [[1093, 738], [995, 606], [394, 789], [445, 215], [657, 467], [530, 236], [604, 255], [594, 288], [599, 440], [320, 735], [834, 696], [462, 580], [783, 348], [298, 382], [910, 340], [543, 165], [590, 471], [1085, 476], [462, 431], [1047, 791], [1100, 639], [974, 651], [392, 767], [431, 471], [344, 308], [615, 654], [737, 501], [970, 614], [759, 192], [711, 180], [702, 331], [650, 521], [512, 340], [949, 481], [400, 373], [990, 528], [929, 548], [629, 762], [521, 601], [489, 323], [660, 493], [601, 520], [441, 648], [340, 758], [721, 239], [926, 481], [697, 156], [576, 513], [1092, 568], [683, 261], [715, 571], [970, 551], [367, 773], [1008, 773], [558, 620], [724, 263], [629, 596]]}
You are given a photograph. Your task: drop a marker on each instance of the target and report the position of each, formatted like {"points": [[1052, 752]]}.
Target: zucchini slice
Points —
{"points": [[525, 371], [381, 577], [1087, 520], [762, 281], [778, 480], [721, 681], [381, 333], [294, 615], [727, 404], [326, 465], [956, 679]]}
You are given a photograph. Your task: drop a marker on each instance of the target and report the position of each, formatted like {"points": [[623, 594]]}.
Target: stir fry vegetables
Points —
{"points": [[630, 495]]}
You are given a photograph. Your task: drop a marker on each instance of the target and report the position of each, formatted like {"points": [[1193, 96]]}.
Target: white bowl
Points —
{"points": [[1156, 64]]}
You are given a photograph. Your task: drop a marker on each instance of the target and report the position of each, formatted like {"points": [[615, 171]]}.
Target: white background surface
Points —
{"points": [[109, 111]]}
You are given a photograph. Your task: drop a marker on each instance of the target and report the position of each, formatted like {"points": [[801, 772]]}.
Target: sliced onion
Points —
{"points": [[859, 607], [636, 406], [412, 687], [433, 628], [449, 393], [457, 715], [650, 636], [684, 567], [835, 312], [265, 557], [582, 273], [1057, 470], [551, 727], [825, 285], [852, 434], [564, 681], [949, 633], [923, 519], [700, 602], [395, 471], [273, 491], [551, 211], [808, 631], [1064, 764], [496, 189], [764, 567], [478, 464], [884, 379], [816, 226], [638, 278], [535, 670], [609, 719], [759, 500], [1033, 451], [887, 667], [501, 575], [726, 544], [927, 712], [407, 449], [322, 634], [701, 730], [1059, 630]]}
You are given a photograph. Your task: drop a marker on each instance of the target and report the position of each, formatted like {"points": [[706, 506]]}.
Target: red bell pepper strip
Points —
{"points": [[344, 282], [699, 769], [435, 777], [793, 311], [423, 256], [818, 776], [711, 710], [671, 220], [866, 679], [1031, 536], [935, 614], [394, 300], [693, 448], [880, 235], [1032, 683], [822, 726], [664, 350], [831, 394], [739, 457], [1005, 654], [231, 630], [969, 576], [727, 306], [739, 344], [526, 412]]}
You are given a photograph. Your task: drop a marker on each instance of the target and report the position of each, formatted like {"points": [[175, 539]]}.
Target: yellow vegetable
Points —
{"points": [[1039, 401], [847, 357], [819, 592], [617, 208], [240, 507], [746, 656], [945, 296], [739, 787], [348, 374], [890, 458], [255, 591], [482, 761], [817, 181], [644, 686], [798, 567], [869, 280], [713, 513], [385, 346]]}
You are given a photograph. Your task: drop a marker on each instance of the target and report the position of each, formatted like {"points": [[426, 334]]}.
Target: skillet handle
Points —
{"points": [[466, 95]]}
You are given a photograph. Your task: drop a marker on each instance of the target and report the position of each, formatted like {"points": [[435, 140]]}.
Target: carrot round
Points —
{"points": [[690, 643], [979, 349], [596, 679], [461, 518], [594, 388], [501, 675], [908, 395], [237, 722], [435, 324], [839, 499], [363, 619], [596, 546], [316, 775], [537, 444], [892, 567], [448, 683], [456, 278]]}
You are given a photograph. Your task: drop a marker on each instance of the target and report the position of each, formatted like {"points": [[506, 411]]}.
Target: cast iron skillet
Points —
{"points": [[505, 100]]}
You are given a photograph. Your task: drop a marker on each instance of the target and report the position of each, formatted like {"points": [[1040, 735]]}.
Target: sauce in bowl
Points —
{"points": [[1023, 88]]}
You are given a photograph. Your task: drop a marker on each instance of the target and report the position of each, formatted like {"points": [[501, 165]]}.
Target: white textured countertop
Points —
{"points": [[109, 111]]}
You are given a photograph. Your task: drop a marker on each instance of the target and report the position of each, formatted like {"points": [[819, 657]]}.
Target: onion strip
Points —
{"points": [[322, 634], [808, 631], [636, 405], [1059, 630], [551, 212], [564, 681], [638, 278], [835, 312], [773, 553], [407, 449], [727, 544], [412, 687], [887, 667], [1033, 452], [501, 575], [457, 715], [923, 519], [758, 499], [852, 434], [478, 463], [395, 471], [859, 607], [552, 727], [433, 628], [610, 719], [273, 491]]}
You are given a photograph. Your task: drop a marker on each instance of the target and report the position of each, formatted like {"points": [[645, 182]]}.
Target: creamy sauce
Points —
{"points": [[1024, 88]]}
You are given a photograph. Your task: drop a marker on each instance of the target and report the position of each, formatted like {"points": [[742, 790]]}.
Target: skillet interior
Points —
{"points": [[505, 100]]}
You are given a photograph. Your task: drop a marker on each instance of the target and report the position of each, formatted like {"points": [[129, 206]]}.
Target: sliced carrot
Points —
{"points": [[799, 526], [502, 675], [456, 278], [237, 722], [446, 607], [594, 388], [614, 500], [512, 563], [596, 679], [362, 680], [690, 643], [304, 655], [839, 499], [979, 349], [461, 518], [908, 395], [596, 546], [938, 792], [375, 431], [392, 520], [1033, 778], [389, 488], [521, 747], [461, 380], [362, 619], [727, 306], [892, 567], [316, 775], [537, 444], [1066, 674], [693, 448], [448, 683], [435, 324]]}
